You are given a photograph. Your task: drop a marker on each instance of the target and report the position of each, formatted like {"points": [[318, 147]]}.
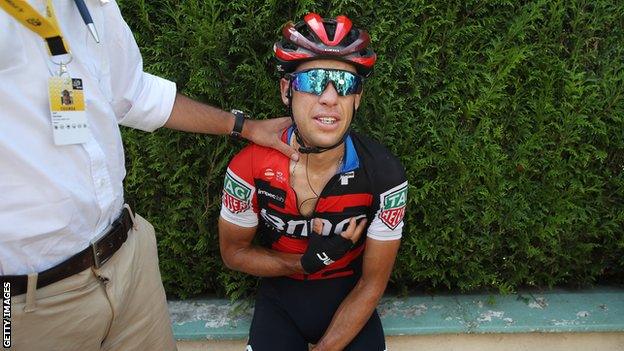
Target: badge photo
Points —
{"points": [[67, 110]]}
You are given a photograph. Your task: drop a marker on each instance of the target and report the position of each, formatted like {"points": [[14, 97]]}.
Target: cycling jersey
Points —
{"points": [[371, 184]]}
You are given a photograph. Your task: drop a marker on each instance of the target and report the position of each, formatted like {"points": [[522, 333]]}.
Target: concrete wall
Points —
{"points": [[466, 342], [557, 320]]}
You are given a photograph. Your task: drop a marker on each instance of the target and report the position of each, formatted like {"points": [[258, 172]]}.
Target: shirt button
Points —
{"points": [[101, 182]]}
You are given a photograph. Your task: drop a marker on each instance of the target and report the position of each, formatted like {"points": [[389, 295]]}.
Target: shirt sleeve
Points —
{"points": [[239, 202], [140, 100], [390, 202]]}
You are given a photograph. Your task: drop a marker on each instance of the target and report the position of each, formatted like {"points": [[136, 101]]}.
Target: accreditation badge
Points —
{"points": [[67, 108]]}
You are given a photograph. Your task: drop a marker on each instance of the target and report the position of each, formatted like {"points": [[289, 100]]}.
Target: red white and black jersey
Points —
{"points": [[371, 184]]}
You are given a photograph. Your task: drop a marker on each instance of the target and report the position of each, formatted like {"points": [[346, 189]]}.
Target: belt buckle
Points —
{"points": [[95, 246], [97, 262]]}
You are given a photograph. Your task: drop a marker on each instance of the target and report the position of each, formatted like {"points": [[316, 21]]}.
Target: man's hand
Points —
{"points": [[267, 133], [325, 250]]}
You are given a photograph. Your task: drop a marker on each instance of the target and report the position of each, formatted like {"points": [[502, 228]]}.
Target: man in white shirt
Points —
{"points": [[82, 271]]}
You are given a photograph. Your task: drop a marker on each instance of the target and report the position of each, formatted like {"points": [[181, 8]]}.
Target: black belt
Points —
{"points": [[95, 255]]}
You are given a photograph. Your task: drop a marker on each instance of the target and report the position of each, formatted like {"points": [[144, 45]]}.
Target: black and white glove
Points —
{"points": [[323, 251]]}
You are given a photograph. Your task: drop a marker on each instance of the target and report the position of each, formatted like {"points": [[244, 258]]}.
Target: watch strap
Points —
{"points": [[239, 120]]}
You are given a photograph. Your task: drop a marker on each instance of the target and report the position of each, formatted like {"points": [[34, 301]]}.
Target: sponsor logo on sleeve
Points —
{"points": [[393, 204], [237, 194]]}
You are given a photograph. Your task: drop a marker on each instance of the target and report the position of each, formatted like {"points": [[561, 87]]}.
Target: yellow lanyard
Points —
{"points": [[46, 27]]}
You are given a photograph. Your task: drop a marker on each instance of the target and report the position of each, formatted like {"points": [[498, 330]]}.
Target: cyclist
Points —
{"points": [[322, 279]]}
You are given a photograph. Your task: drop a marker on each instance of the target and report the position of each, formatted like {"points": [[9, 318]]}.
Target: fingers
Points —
{"points": [[354, 230], [359, 230], [286, 150], [317, 225], [281, 124], [268, 133]]}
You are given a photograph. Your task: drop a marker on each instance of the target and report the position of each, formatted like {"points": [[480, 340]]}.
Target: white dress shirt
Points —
{"points": [[55, 199]]}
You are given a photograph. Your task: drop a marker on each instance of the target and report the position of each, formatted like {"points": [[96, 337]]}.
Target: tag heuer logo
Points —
{"points": [[236, 195], [393, 206]]}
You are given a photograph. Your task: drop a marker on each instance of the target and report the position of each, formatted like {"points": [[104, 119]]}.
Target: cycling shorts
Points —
{"points": [[289, 314]]}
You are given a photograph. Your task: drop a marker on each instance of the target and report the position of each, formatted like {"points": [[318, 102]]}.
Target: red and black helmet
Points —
{"points": [[310, 39]]}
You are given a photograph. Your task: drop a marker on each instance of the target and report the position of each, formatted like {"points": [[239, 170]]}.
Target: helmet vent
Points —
{"points": [[330, 28]]}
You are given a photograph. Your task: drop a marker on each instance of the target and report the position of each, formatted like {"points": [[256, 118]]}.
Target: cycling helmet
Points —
{"points": [[319, 38]]}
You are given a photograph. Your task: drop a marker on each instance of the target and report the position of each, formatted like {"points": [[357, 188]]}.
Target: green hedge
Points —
{"points": [[508, 116]]}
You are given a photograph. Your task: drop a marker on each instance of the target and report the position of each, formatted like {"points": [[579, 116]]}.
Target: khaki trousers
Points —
{"points": [[120, 306]]}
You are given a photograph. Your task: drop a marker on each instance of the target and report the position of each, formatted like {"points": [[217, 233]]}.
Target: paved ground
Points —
{"points": [[467, 342]]}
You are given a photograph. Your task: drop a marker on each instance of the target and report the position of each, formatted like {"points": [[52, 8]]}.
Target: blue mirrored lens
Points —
{"points": [[315, 81]]}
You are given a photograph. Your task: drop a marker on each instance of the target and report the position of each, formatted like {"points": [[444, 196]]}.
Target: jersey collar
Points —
{"points": [[350, 160]]}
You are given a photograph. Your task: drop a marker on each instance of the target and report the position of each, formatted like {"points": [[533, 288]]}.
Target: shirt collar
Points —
{"points": [[350, 159]]}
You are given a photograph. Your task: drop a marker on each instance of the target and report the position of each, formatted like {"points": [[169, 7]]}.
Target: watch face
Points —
{"points": [[236, 135], [236, 112]]}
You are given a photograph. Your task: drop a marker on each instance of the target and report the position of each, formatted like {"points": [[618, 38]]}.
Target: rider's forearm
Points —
{"points": [[262, 262]]}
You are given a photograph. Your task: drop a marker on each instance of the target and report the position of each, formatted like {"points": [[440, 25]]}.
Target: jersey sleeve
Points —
{"points": [[238, 200], [390, 201]]}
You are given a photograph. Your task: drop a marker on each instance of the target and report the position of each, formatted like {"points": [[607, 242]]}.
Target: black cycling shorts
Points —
{"points": [[290, 314]]}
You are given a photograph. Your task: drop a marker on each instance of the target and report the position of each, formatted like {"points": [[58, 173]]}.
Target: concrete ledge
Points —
{"points": [[598, 310]]}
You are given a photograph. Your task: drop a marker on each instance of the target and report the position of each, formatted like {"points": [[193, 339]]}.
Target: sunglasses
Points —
{"points": [[315, 80]]}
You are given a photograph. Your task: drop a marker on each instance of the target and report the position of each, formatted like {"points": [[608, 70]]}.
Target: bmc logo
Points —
{"points": [[302, 226]]}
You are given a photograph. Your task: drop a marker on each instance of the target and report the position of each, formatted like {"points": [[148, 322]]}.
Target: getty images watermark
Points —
{"points": [[6, 315]]}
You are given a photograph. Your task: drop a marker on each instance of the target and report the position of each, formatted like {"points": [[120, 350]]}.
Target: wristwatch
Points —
{"points": [[239, 120]]}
